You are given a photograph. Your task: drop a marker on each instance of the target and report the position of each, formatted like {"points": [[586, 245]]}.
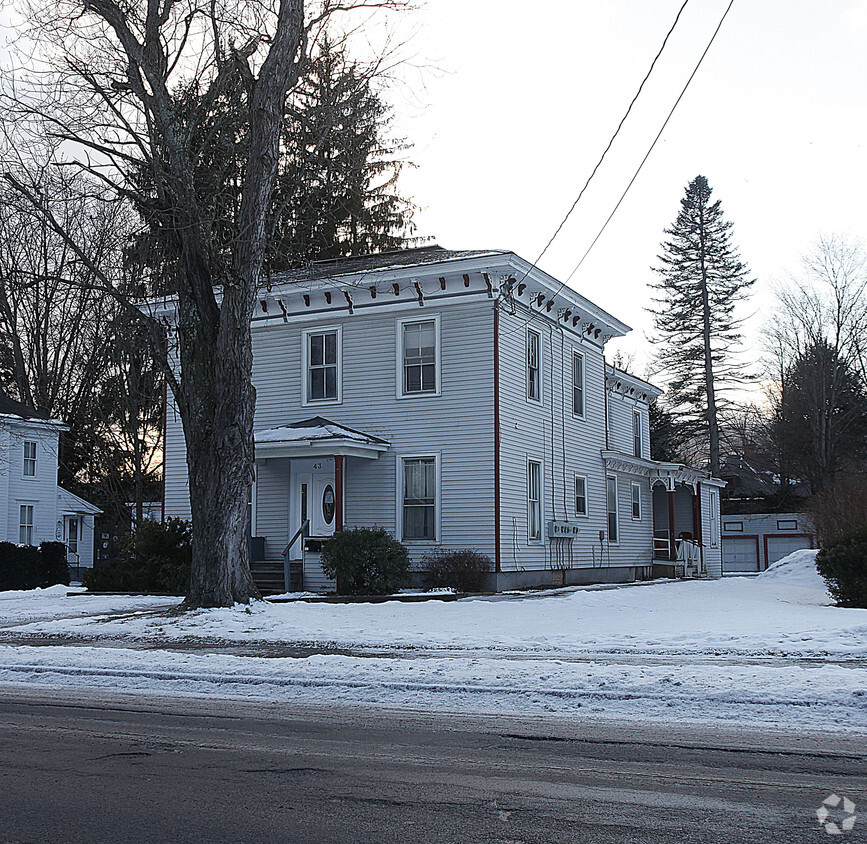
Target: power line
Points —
{"points": [[650, 150], [533, 316]]}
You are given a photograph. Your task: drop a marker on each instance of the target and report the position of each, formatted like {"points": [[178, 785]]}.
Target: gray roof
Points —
{"points": [[316, 428], [379, 261], [10, 407]]}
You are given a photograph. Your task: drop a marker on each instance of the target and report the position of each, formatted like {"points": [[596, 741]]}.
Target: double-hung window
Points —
{"points": [[419, 498], [577, 384], [72, 536], [580, 495], [714, 525], [636, 501], [636, 433], [534, 366], [29, 459], [534, 500], [419, 354], [25, 524], [322, 359], [611, 496]]}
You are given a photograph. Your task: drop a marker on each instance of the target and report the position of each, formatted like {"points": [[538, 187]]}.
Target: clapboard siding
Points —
{"points": [[456, 425]]}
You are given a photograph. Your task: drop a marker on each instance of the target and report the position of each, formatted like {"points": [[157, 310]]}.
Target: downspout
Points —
{"points": [[497, 566], [165, 426], [605, 391]]}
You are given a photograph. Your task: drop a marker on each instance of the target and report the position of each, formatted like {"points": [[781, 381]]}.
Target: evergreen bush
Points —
{"points": [[154, 558], [365, 561], [843, 564], [53, 568], [28, 567], [463, 571]]}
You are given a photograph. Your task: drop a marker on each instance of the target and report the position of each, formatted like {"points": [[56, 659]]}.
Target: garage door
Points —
{"points": [[780, 546], [740, 554]]}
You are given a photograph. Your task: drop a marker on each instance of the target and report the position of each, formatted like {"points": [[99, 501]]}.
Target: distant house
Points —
{"points": [[461, 400], [33, 508]]}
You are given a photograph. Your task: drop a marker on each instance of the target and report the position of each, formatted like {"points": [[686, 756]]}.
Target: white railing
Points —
{"points": [[691, 554]]}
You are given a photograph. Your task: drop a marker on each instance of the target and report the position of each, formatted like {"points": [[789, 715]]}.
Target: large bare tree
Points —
{"points": [[135, 93]]}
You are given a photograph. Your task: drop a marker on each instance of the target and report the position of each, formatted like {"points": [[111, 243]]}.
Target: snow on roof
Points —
{"points": [[10, 407], [316, 428]]}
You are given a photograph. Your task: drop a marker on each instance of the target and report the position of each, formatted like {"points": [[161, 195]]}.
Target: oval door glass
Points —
{"points": [[328, 504]]}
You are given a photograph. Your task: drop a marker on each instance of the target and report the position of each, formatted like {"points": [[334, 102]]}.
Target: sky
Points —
{"points": [[509, 106]]}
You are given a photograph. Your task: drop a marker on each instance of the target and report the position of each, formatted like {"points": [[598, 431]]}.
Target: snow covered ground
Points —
{"points": [[767, 651]]}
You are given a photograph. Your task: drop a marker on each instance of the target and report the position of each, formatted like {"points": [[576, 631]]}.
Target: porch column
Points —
{"points": [[338, 493], [672, 548], [696, 513]]}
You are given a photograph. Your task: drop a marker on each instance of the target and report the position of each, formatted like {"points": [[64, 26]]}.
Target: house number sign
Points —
{"points": [[564, 529]]}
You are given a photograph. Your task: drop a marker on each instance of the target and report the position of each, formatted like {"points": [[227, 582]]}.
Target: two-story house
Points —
{"points": [[33, 508], [460, 400]]}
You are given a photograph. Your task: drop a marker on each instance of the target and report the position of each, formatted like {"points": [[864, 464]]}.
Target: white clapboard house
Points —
{"points": [[33, 508], [460, 400]]}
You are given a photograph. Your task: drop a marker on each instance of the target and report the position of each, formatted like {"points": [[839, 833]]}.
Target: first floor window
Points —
{"points": [[577, 384], [636, 501], [322, 366], [714, 525], [580, 495], [612, 508], [420, 357], [534, 371], [29, 459], [534, 500], [419, 498], [25, 524]]}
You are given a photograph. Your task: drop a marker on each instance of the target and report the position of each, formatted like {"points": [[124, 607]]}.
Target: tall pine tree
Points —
{"points": [[701, 281]]}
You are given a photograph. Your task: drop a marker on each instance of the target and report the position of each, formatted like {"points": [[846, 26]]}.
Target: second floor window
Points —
{"points": [[29, 459], [419, 357], [322, 366], [636, 433], [577, 384], [534, 370]]}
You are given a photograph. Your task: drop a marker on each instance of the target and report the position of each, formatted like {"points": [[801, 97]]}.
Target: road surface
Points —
{"points": [[126, 769]]}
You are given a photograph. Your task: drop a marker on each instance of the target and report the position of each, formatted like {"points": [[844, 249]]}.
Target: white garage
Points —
{"points": [[753, 541]]}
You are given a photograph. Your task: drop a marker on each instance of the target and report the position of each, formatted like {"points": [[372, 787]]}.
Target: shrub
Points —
{"points": [[155, 558], [843, 564], [54, 568], [28, 567], [365, 561], [464, 571]]}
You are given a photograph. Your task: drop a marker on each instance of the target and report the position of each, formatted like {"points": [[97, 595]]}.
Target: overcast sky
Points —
{"points": [[530, 93]]}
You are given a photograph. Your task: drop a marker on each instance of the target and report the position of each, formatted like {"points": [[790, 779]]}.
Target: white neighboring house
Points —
{"points": [[460, 400], [33, 508]]}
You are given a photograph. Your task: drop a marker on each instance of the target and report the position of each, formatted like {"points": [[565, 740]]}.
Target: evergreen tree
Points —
{"points": [[701, 281]]}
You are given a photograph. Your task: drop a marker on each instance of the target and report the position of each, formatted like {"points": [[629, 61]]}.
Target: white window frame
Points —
{"points": [[608, 510], [399, 489], [77, 521], [575, 497], [637, 433], [540, 502], [30, 461], [305, 364], [400, 392], [580, 356], [527, 379], [714, 525], [636, 500], [25, 528]]}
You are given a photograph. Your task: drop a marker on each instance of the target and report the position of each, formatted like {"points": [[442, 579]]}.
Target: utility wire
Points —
{"points": [[650, 150], [534, 315]]}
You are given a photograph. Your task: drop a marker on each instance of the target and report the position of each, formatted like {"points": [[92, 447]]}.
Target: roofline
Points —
{"points": [[36, 420]]}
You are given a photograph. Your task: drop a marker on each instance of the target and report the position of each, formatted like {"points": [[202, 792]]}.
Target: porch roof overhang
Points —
{"points": [[316, 437], [669, 474]]}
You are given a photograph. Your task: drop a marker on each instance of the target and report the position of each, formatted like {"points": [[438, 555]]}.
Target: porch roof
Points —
{"points": [[668, 473], [316, 437]]}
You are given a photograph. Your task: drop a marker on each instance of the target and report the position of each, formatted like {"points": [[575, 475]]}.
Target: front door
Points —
{"points": [[313, 498]]}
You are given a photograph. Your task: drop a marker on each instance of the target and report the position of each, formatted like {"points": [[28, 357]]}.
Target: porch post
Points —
{"points": [[338, 493], [696, 513], [672, 548]]}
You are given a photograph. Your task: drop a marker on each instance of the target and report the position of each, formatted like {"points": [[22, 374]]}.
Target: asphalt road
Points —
{"points": [[128, 770]]}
